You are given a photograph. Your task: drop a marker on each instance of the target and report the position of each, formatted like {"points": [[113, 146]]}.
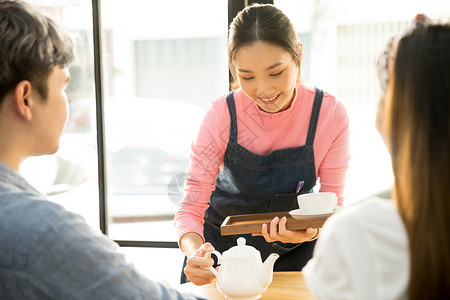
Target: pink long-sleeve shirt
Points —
{"points": [[261, 133]]}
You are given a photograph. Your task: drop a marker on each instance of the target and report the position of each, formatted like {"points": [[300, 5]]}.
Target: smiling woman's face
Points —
{"points": [[267, 74]]}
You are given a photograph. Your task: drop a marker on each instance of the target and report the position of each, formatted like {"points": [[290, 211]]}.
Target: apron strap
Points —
{"points": [[312, 122], [314, 117], [233, 124]]}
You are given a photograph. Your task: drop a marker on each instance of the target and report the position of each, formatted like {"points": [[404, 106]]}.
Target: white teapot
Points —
{"points": [[242, 274]]}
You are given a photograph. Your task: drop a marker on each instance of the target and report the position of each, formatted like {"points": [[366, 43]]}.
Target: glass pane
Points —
{"points": [[163, 61], [341, 41], [159, 264], [69, 177]]}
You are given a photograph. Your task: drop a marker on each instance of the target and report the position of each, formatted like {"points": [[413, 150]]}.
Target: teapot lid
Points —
{"points": [[242, 250]]}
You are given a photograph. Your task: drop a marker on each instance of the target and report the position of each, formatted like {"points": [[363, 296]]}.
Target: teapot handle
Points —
{"points": [[219, 258]]}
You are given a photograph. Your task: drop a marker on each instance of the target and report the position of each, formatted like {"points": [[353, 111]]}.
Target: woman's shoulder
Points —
{"points": [[371, 215], [374, 229], [216, 110], [217, 104], [332, 105], [332, 110], [329, 101], [216, 119], [221, 101]]}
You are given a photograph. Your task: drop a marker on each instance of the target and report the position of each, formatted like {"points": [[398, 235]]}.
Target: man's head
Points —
{"points": [[31, 45], [34, 55]]}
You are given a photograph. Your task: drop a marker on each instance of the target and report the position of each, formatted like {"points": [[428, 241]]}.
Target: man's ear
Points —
{"points": [[22, 99]]}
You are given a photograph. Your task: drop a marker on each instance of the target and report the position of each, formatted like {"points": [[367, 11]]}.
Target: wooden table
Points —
{"points": [[285, 285]]}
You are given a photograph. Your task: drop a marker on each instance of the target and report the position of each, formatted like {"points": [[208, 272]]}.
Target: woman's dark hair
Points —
{"points": [[261, 22], [418, 132], [31, 45]]}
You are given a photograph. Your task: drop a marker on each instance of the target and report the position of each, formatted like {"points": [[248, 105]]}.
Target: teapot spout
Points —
{"points": [[267, 270]]}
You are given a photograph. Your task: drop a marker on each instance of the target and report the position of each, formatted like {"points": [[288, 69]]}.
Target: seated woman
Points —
{"points": [[399, 249]]}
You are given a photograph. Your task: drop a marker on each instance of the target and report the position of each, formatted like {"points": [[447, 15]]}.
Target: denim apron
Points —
{"points": [[250, 183]]}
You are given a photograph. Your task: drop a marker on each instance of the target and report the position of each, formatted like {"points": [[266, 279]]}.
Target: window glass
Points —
{"points": [[341, 41], [69, 177], [163, 61], [159, 264]]}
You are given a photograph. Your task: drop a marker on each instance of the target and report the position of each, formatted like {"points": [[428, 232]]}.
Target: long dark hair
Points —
{"points": [[261, 22], [418, 131]]}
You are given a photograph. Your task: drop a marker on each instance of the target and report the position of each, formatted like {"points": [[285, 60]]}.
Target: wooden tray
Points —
{"points": [[246, 224]]}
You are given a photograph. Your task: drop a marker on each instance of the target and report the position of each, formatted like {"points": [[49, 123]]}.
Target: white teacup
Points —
{"points": [[317, 203]]}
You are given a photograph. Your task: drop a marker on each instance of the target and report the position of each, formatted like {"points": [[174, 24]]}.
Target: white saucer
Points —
{"points": [[297, 214]]}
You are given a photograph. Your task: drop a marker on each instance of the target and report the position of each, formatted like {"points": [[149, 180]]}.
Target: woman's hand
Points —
{"points": [[278, 232], [197, 265]]}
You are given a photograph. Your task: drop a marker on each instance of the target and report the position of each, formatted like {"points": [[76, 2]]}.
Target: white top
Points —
{"points": [[362, 253]]}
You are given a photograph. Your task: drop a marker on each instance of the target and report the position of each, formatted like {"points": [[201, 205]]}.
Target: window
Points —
{"points": [[341, 40], [70, 176], [160, 71]]}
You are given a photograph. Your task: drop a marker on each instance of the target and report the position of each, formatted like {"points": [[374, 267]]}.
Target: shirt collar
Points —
{"points": [[9, 176]]}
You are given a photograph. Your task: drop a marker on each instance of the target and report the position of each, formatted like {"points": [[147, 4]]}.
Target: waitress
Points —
{"points": [[256, 143]]}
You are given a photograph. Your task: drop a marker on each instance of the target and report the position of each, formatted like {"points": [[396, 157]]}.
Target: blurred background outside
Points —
{"points": [[163, 61]]}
